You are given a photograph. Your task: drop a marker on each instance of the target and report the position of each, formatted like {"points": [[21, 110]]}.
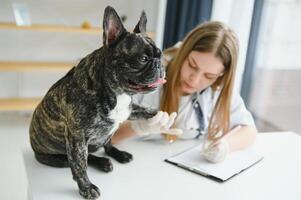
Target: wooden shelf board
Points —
{"points": [[35, 66], [51, 28], [15, 104], [57, 28]]}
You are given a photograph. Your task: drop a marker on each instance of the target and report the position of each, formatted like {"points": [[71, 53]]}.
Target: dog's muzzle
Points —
{"points": [[152, 77]]}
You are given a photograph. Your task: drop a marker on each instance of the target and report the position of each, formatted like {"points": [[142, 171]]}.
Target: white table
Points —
{"points": [[277, 176]]}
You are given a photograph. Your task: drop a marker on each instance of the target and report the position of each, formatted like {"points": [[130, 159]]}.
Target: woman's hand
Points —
{"points": [[217, 152], [160, 123]]}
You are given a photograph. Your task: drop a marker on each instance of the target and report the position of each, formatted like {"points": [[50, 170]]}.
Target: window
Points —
{"points": [[275, 94]]}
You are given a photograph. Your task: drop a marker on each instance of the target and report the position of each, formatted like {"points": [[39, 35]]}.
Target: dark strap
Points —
{"points": [[200, 117]]}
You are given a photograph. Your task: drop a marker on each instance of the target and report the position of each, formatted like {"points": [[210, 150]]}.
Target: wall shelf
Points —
{"points": [[57, 28], [51, 28], [34, 66], [18, 104], [21, 104]]}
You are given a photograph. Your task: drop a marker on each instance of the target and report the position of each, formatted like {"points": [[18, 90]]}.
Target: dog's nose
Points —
{"points": [[158, 52]]}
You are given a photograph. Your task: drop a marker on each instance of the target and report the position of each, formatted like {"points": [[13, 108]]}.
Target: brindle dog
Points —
{"points": [[80, 112]]}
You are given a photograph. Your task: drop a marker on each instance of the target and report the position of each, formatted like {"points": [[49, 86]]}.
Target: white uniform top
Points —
{"points": [[187, 118]]}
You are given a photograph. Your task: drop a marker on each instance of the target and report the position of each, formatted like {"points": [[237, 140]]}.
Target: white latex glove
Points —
{"points": [[216, 153], [158, 124]]}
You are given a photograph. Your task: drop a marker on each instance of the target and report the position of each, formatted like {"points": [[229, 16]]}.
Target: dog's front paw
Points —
{"points": [[123, 157], [120, 156], [104, 164], [89, 192]]}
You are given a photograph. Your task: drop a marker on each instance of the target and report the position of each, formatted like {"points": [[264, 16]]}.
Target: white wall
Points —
{"points": [[161, 23]]}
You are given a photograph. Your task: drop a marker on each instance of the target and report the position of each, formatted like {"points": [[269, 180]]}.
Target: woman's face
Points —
{"points": [[199, 71]]}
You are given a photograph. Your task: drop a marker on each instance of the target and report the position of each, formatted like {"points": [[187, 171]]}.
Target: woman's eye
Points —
{"points": [[210, 78], [191, 66]]}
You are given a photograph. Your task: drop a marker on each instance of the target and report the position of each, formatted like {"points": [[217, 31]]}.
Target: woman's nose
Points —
{"points": [[194, 79]]}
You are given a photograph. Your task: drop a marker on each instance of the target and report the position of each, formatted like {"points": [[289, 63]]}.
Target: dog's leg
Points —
{"points": [[77, 152], [102, 163], [139, 112], [54, 160], [120, 156]]}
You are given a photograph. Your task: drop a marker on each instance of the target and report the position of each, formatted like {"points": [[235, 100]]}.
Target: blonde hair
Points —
{"points": [[216, 38]]}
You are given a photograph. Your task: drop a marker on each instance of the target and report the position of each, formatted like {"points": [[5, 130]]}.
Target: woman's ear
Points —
{"points": [[218, 83]]}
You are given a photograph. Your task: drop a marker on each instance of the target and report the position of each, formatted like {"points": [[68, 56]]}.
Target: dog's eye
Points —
{"points": [[144, 58]]}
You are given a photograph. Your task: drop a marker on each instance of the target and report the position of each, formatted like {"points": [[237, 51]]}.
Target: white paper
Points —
{"points": [[234, 163]]}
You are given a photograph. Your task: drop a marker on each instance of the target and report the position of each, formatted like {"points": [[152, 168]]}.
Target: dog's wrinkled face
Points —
{"points": [[133, 58]]}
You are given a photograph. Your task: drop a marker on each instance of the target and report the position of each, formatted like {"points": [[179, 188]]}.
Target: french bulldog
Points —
{"points": [[81, 111]]}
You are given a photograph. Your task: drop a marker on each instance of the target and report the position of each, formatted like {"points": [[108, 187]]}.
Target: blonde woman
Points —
{"points": [[199, 88]]}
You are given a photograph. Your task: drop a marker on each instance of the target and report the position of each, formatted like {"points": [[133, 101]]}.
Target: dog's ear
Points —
{"points": [[141, 26], [112, 27]]}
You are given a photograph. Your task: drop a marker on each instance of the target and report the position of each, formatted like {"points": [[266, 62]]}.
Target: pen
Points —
{"points": [[224, 136]]}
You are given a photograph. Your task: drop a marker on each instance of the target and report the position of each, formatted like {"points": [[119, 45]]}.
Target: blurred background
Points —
{"points": [[41, 40]]}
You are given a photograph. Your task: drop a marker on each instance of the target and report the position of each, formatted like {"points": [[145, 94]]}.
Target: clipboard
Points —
{"points": [[237, 162]]}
